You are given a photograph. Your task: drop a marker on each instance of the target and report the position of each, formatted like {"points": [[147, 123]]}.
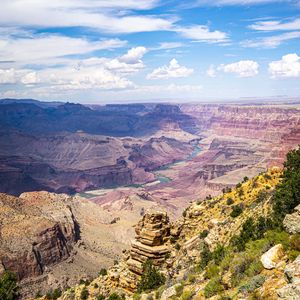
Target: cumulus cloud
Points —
{"points": [[134, 55], [288, 66], [243, 68], [30, 78], [276, 25], [173, 70], [202, 33], [271, 41]]}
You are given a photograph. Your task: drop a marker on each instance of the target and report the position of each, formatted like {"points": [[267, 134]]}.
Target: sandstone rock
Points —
{"points": [[291, 222], [289, 292], [169, 292], [292, 271], [272, 257]]}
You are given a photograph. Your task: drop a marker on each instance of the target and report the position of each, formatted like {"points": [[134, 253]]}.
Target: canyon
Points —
{"points": [[75, 179]]}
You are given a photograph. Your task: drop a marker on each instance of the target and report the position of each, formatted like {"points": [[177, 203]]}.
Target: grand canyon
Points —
{"points": [[75, 178], [149, 150]]}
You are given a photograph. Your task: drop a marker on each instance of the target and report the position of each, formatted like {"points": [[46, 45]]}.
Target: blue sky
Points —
{"points": [[99, 51]]}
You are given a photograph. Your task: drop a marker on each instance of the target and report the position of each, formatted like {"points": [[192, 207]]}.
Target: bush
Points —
{"points": [[177, 246], [53, 295], [212, 270], [205, 256], [115, 296], [8, 286], [103, 272], [229, 201], [253, 284], [213, 287], [245, 179], [218, 254], [204, 234], [186, 295], [238, 185], [236, 211], [151, 277], [100, 297], [84, 294]]}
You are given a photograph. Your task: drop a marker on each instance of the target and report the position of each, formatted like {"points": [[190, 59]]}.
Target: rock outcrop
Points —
{"points": [[151, 243], [292, 273], [291, 222]]}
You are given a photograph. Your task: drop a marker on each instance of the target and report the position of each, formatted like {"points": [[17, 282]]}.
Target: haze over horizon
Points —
{"points": [[119, 51]]}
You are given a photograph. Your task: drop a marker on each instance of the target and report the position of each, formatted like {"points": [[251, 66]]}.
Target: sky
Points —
{"points": [[112, 51]]}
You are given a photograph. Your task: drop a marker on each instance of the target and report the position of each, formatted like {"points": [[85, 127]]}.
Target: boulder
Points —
{"points": [[169, 292], [272, 257], [291, 222], [291, 291]]}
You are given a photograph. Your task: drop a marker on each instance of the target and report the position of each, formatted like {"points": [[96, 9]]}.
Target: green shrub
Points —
{"points": [[252, 284], [295, 242], [84, 294], [238, 185], [205, 256], [115, 296], [212, 270], [245, 179], [287, 195], [204, 234], [186, 295], [100, 297], [218, 254], [53, 295], [179, 289], [229, 201], [236, 211], [177, 247], [103, 272], [151, 277], [96, 285], [8, 286], [213, 287]]}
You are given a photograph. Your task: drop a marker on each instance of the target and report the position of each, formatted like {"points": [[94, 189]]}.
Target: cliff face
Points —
{"points": [[32, 240]]}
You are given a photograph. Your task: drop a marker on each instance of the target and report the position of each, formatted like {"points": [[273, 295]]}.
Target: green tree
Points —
{"points": [[287, 195], [151, 277], [8, 286]]}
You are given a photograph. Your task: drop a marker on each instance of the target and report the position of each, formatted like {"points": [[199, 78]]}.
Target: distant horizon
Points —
{"points": [[213, 101]]}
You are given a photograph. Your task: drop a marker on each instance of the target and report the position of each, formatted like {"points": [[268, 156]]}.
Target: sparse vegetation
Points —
{"points": [[151, 277], [103, 272], [53, 295], [84, 294], [236, 211], [8, 286]]}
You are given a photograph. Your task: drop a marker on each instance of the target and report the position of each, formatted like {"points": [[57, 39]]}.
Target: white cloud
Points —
{"points": [[243, 68], [288, 66], [134, 55], [173, 70], [211, 71], [202, 33], [46, 48], [276, 25], [97, 14], [7, 76], [271, 41]]}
